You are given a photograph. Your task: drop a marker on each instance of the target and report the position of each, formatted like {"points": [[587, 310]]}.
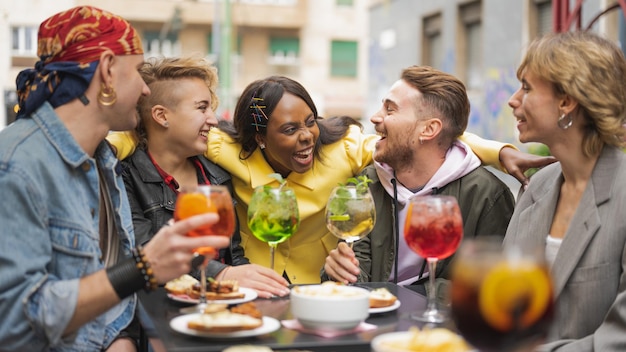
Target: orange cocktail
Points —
{"points": [[207, 199], [201, 200]]}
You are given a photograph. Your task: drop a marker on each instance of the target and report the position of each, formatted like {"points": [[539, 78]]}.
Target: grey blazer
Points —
{"points": [[588, 271]]}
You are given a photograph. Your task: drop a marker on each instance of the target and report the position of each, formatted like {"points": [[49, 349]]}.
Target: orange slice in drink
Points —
{"points": [[190, 204], [514, 295]]}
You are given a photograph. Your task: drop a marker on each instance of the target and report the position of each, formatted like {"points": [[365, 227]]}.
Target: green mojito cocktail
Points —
{"points": [[273, 215]]}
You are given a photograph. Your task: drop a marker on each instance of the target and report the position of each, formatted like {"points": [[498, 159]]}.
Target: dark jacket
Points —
{"points": [[152, 203], [486, 206]]}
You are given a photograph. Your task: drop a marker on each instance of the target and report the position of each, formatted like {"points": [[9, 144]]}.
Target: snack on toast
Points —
{"points": [[247, 309], [181, 285], [215, 307], [435, 340], [248, 348], [381, 297], [218, 290], [224, 321]]}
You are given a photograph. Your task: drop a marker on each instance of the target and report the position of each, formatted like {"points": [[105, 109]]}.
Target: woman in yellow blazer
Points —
{"points": [[276, 129]]}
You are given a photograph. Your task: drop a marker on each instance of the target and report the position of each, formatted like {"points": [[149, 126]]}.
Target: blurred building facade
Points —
{"points": [[479, 41], [320, 43], [347, 53]]}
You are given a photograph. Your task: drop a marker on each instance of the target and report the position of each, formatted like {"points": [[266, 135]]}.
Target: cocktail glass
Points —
{"points": [[433, 229], [273, 215], [200, 200]]}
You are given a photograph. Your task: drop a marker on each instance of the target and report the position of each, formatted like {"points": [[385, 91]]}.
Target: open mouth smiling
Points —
{"points": [[304, 154]]}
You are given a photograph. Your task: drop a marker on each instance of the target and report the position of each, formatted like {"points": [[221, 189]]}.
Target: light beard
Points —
{"points": [[398, 159]]}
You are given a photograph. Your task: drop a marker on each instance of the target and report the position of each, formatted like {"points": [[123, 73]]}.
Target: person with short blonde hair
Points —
{"points": [[571, 99], [175, 120]]}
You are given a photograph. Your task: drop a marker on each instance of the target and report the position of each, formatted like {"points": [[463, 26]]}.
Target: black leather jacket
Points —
{"points": [[152, 204]]}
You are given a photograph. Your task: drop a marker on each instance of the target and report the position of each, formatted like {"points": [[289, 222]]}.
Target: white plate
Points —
{"points": [[378, 342], [180, 324], [394, 306], [250, 295]]}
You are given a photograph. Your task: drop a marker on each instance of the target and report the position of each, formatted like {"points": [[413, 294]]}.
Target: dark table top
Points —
{"points": [[160, 310]]}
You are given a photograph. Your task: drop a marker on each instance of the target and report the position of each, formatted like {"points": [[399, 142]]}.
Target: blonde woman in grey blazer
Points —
{"points": [[572, 100]]}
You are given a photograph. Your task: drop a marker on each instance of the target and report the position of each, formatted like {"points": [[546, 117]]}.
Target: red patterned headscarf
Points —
{"points": [[69, 47]]}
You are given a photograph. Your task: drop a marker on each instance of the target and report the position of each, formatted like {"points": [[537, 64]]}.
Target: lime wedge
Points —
{"points": [[342, 217]]}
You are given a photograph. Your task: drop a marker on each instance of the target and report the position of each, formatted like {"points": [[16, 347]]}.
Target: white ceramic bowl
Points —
{"points": [[329, 306]]}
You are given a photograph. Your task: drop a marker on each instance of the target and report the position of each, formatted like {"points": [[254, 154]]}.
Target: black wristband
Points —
{"points": [[125, 278]]}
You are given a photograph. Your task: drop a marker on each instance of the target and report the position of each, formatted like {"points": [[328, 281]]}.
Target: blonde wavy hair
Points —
{"points": [[591, 70], [160, 74]]}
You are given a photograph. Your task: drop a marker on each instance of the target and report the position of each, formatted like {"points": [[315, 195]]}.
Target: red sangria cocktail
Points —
{"points": [[501, 301], [433, 229]]}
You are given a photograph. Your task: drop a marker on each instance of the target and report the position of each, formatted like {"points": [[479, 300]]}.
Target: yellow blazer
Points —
{"points": [[302, 256]]}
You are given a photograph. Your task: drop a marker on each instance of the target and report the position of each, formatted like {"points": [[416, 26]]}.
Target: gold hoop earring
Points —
{"points": [[107, 95]]}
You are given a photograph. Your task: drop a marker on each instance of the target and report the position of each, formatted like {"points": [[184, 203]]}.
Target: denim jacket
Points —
{"points": [[49, 235]]}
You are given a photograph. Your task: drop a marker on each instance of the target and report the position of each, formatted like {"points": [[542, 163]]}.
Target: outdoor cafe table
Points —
{"points": [[160, 310]]}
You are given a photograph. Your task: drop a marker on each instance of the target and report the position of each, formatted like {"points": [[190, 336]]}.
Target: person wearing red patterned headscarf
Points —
{"points": [[69, 267]]}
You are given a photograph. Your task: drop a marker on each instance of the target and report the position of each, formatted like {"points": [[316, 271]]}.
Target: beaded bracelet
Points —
{"points": [[132, 274], [142, 264]]}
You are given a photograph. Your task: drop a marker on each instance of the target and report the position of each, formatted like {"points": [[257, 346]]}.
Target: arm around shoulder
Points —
{"points": [[488, 151], [123, 143]]}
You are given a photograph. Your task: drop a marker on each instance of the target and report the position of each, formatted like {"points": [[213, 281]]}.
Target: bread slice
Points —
{"points": [[381, 297], [218, 290], [224, 321], [181, 285], [436, 339], [215, 307]]}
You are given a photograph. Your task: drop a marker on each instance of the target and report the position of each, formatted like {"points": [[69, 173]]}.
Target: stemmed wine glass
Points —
{"points": [[350, 213], [273, 215], [433, 229], [200, 200], [501, 300]]}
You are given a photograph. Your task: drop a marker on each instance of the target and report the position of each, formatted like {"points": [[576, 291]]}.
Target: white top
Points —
{"points": [[552, 248]]}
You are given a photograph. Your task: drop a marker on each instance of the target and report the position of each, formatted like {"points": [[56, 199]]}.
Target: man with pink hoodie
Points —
{"points": [[420, 120]]}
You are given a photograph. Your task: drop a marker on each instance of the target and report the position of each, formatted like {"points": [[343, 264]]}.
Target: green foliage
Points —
{"points": [[278, 178], [337, 206], [360, 182], [537, 149]]}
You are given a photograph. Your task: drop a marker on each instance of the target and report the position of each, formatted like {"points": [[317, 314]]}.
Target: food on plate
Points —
{"points": [[224, 321], [248, 348], [381, 297], [226, 289], [327, 289], [247, 309], [216, 290], [215, 307], [434, 340], [181, 285]]}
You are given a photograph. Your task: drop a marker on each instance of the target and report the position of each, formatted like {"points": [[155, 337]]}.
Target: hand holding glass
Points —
{"points": [[501, 299], [273, 215], [350, 213], [433, 229], [201, 200]]}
